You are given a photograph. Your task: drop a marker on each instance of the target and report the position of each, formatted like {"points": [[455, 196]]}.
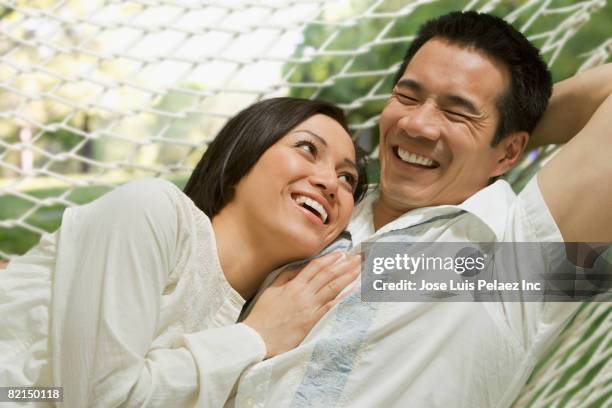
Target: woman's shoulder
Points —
{"points": [[148, 195], [162, 201], [148, 189], [151, 209], [149, 204]]}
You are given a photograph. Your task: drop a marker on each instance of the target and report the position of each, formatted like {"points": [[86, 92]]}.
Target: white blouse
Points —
{"points": [[126, 304]]}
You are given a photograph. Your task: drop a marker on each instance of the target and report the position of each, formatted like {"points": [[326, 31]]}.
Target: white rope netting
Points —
{"points": [[578, 370], [96, 92]]}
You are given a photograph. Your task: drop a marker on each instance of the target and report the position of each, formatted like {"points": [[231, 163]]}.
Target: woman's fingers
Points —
{"points": [[286, 276], [327, 275], [287, 310], [329, 305], [316, 265], [344, 275]]}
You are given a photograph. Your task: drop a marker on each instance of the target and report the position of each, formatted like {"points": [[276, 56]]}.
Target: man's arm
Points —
{"points": [[572, 104], [577, 182]]}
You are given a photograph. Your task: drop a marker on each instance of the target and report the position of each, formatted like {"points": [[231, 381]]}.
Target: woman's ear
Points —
{"points": [[510, 150]]}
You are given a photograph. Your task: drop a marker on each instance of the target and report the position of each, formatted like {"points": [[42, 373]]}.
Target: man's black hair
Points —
{"points": [[245, 138], [523, 103]]}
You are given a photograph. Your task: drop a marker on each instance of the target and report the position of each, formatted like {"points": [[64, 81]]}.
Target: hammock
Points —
{"points": [[98, 92]]}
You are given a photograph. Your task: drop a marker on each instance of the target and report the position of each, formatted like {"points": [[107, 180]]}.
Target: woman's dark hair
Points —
{"points": [[243, 140]]}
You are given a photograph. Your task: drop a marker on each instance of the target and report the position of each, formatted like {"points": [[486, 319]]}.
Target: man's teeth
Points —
{"points": [[413, 158], [303, 200]]}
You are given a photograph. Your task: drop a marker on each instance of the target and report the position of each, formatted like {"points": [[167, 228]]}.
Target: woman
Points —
{"points": [[135, 299]]}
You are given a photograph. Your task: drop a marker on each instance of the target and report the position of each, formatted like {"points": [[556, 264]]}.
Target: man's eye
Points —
{"points": [[455, 115], [405, 98], [308, 147]]}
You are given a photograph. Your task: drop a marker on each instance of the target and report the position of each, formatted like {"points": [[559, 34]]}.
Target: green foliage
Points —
{"points": [[318, 77], [18, 240], [355, 48], [377, 57]]}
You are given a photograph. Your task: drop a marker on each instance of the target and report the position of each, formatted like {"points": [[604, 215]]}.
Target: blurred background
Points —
{"points": [[95, 93]]}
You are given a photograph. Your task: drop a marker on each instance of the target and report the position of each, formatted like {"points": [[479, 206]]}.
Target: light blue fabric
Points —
{"points": [[333, 357]]}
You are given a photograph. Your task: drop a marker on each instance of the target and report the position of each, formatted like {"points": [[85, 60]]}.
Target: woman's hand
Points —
{"points": [[287, 310]]}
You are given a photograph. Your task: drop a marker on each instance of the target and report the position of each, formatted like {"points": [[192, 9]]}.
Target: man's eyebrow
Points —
{"points": [[457, 100], [464, 103], [410, 84]]}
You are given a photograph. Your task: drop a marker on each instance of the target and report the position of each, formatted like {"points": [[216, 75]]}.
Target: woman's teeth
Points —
{"points": [[414, 158], [312, 206]]}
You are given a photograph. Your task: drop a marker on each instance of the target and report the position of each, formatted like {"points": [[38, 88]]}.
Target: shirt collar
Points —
{"points": [[361, 225], [490, 205]]}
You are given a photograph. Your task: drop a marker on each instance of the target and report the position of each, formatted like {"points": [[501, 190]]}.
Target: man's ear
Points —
{"points": [[510, 151]]}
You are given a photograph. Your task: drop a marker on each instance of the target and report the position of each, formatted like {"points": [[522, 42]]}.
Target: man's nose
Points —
{"points": [[422, 120]]}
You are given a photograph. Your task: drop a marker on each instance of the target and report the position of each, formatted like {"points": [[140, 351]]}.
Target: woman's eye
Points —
{"points": [[308, 147], [349, 179]]}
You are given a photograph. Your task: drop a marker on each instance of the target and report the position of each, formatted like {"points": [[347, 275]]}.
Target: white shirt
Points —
{"points": [[138, 308], [443, 354]]}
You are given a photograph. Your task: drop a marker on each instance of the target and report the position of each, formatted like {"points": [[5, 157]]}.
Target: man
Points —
{"points": [[463, 109]]}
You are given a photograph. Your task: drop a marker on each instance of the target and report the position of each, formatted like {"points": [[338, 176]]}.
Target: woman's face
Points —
{"points": [[299, 194]]}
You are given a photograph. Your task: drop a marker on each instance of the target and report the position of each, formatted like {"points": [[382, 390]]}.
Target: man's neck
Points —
{"points": [[384, 213]]}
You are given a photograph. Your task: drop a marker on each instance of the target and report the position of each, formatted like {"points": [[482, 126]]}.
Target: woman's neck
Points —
{"points": [[244, 260]]}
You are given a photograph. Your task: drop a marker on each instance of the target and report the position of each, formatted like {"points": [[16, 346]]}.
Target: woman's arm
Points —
{"points": [[125, 247]]}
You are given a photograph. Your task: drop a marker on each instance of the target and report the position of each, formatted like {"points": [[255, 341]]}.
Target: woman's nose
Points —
{"points": [[326, 180]]}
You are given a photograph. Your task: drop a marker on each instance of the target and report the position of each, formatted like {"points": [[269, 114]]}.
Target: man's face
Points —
{"points": [[437, 127]]}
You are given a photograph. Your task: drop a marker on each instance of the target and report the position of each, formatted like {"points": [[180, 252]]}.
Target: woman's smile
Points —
{"points": [[316, 208]]}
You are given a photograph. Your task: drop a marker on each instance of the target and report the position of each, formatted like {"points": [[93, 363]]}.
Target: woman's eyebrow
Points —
{"points": [[324, 143], [352, 164], [319, 138]]}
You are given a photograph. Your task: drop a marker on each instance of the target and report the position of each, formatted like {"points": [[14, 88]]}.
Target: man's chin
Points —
{"points": [[406, 200], [410, 193]]}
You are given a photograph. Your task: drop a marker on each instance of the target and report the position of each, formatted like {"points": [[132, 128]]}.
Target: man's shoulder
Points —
{"points": [[537, 213], [510, 216], [514, 217]]}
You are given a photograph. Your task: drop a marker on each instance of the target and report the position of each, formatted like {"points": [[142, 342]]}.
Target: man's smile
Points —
{"points": [[414, 159]]}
